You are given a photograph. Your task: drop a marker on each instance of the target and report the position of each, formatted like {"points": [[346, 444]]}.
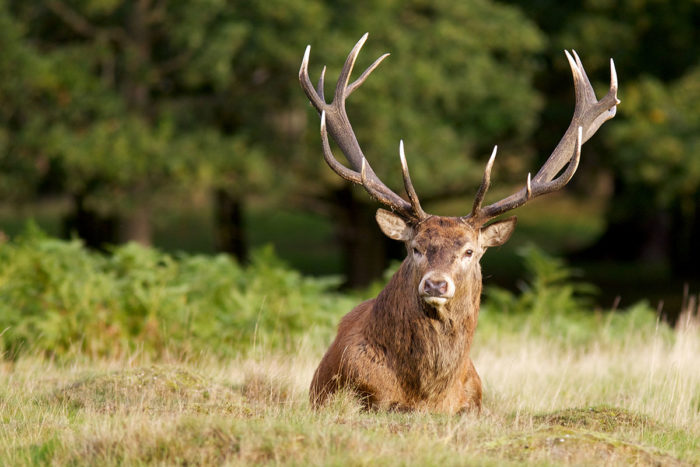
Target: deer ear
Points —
{"points": [[497, 233], [393, 226]]}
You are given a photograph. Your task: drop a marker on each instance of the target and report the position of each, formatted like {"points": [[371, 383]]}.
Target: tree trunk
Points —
{"points": [[136, 225], [365, 249], [685, 245], [95, 229], [634, 231], [230, 226], [98, 230]]}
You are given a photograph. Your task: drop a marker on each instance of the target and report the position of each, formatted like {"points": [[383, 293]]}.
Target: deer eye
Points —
{"points": [[468, 253], [416, 252]]}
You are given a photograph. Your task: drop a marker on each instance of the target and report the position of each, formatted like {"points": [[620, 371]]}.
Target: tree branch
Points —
{"points": [[69, 16], [81, 25]]}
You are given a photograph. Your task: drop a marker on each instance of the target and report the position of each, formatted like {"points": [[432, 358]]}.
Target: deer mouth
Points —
{"points": [[434, 301]]}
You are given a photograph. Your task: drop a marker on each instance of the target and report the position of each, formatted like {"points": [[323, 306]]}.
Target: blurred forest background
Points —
{"points": [[181, 124]]}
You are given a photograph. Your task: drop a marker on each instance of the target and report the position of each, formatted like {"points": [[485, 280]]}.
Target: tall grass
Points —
{"points": [[628, 402]]}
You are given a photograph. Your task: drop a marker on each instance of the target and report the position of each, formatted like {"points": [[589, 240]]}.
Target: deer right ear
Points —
{"points": [[497, 233], [393, 226]]}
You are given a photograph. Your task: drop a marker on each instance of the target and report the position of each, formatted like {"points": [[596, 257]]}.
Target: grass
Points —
{"points": [[628, 401]]}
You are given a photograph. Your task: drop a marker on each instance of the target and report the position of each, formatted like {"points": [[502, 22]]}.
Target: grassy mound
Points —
{"points": [[600, 418], [155, 389], [571, 446]]}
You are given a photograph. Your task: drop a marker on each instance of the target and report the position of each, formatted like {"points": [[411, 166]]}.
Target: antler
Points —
{"points": [[589, 115], [335, 119]]}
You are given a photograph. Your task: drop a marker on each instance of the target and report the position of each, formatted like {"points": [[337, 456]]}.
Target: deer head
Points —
{"points": [[443, 257], [390, 349]]}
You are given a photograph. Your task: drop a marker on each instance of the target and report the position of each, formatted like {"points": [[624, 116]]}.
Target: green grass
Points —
{"points": [[627, 402]]}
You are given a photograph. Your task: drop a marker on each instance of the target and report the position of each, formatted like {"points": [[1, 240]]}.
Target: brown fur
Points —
{"points": [[396, 351]]}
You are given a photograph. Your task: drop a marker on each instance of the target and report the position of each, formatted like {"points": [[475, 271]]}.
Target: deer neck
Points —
{"points": [[399, 303], [426, 348]]}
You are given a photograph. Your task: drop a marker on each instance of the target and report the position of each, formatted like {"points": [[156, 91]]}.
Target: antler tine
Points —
{"points": [[582, 84], [410, 191], [611, 96], [485, 183], [358, 82], [306, 85], [613, 79], [320, 86], [344, 77]]}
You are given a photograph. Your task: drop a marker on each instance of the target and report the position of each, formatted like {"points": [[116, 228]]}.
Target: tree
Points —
{"points": [[129, 104]]}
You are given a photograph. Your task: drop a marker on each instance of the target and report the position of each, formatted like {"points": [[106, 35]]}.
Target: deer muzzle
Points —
{"points": [[436, 289]]}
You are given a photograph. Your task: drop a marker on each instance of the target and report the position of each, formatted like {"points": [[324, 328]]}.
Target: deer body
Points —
{"points": [[429, 368], [398, 351], [408, 348]]}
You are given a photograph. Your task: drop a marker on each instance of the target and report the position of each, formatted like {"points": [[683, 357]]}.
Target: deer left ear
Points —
{"points": [[497, 233], [393, 226]]}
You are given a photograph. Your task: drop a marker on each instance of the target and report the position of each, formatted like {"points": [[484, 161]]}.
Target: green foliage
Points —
{"points": [[550, 289], [58, 298], [554, 304], [659, 142], [118, 103]]}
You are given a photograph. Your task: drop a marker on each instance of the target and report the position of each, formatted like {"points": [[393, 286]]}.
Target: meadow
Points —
{"points": [[143, 357]]}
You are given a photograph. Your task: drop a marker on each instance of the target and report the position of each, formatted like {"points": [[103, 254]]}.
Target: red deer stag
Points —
{"points": [[408, 348]]}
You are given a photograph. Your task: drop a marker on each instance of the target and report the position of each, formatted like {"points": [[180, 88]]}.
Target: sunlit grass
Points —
{"points": [[628, 401]]}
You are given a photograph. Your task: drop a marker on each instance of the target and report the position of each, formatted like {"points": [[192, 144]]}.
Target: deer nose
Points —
{"points": [[435, 288]]}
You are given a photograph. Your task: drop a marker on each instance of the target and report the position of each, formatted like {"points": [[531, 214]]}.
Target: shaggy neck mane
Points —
{"points": [[414, 340]]}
